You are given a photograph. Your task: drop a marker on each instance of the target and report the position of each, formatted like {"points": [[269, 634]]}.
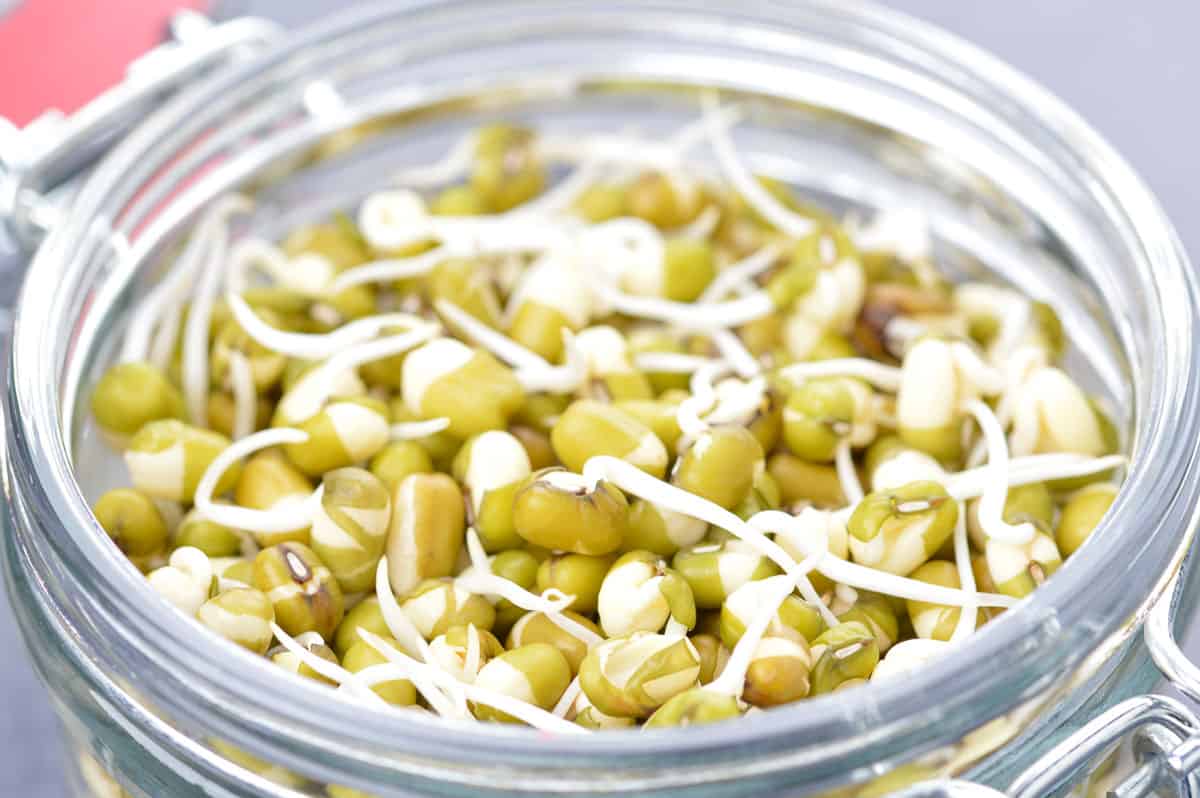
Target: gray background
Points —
{"points": [[1129, 68]]}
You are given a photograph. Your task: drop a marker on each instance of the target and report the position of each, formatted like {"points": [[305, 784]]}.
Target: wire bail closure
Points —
{"points": [[37, 161]]}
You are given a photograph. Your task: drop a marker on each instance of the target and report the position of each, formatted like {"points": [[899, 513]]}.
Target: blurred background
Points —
{"points": [[1128, 68]]}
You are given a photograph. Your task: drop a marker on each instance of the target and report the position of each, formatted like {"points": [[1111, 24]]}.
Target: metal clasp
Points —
{"points": [[47, 153], [1164, 734]]}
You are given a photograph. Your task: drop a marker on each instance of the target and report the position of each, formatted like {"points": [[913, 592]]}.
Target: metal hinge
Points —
{"points": [[36, 162], [1162, 732]]}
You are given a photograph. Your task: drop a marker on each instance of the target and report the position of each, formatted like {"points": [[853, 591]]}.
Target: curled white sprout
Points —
{"points": [[702, 398], [991, 503], [415, 430], [739, 274], [405, 667], [735, 353], [281, 518], [736, 402], [972, 483], [314, 388], [843, 458], [557, 379], [254, 253], [1017, 369], [315, 346], [882, 376], [391, 269], [550, 603], [782, 218], [330, 670], [245, 395]]}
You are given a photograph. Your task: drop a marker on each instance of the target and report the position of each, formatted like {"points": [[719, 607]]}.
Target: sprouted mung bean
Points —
{"points": [[653, 444]]}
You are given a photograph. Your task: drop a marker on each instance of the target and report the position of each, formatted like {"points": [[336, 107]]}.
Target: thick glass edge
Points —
{"points": [[1154, 232]]}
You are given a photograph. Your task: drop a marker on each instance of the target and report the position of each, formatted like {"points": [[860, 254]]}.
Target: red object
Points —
{"points": [[62, 53]]}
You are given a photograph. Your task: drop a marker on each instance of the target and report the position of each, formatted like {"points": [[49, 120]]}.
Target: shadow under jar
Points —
{"points": [[854, 107]]}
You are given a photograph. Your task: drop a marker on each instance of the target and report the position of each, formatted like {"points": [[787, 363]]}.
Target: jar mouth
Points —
{"points": [[1086, 201]]}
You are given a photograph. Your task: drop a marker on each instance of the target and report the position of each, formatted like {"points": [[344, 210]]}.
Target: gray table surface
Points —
{"points": [[1129, 68]]}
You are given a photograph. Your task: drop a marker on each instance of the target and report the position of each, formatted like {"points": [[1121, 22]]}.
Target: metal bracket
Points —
{"points": [[48, 152]]}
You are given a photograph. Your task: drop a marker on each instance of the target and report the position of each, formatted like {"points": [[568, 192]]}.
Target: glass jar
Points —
{"points": [[856, 106]]}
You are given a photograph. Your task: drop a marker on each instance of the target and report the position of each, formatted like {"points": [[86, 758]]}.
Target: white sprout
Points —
{"points": [[557, 379], [1019, 366], [782, 218], [735, 353], [847, 475], [415, 430], [688, 315], [399, 218], [406, 667], [972, 483], [863, 578], [196, 329], [631, 479], [245, 395], [568, 698], [440, 689], [315, 387], [703, 397], [474, 656], [162, 348], [254, 252], [489, 338], [281, 518], [391, 269], [969, 614], [988, 380], [733, 678], [165, 301], [880, 375], [740, 273], [394, 617], [561, 195], [330, 670], [991, 503], [551, 603], [702, 226], [737, 401], [315, 346]]}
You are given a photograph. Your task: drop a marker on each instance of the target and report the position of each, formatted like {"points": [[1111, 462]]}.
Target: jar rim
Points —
{"points": [[1163, 472]]}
